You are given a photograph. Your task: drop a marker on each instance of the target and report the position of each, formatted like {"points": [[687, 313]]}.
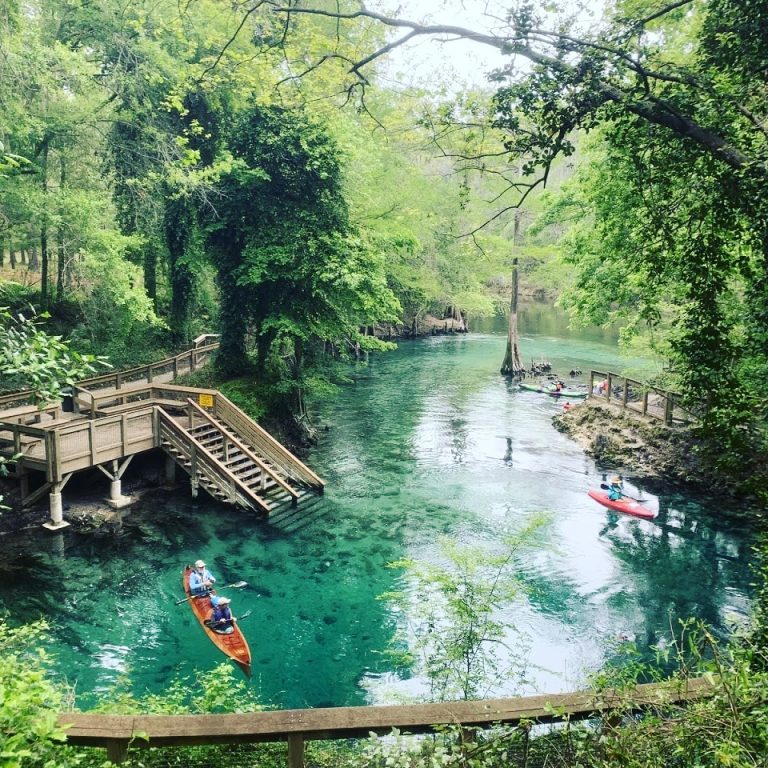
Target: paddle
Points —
{"points": [[608, 488], [236, 585], [209, 622]]}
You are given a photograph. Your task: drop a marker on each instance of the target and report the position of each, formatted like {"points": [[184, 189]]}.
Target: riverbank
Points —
{"points": [[631, 444]]}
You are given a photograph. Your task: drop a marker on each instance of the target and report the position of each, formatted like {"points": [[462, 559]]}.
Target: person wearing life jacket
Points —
{"points": [[201, 580], [220, 618], [616, 489]]}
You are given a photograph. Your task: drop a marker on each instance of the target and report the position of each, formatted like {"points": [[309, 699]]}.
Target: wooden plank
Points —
{"points": [[351, 722], [205, 462]]}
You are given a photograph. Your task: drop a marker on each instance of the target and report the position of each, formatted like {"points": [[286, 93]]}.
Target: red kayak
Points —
{"points": [[233, 645], [625, 505]]}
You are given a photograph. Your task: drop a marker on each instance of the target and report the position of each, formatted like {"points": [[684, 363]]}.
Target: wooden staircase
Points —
{"points": [[220, 460]]}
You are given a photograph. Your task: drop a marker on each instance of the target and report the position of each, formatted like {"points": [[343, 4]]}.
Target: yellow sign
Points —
{"points": [[205, 401]]}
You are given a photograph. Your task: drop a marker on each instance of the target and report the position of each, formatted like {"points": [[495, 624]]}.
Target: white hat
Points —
{"points": [[199, 564], [224, 601]]}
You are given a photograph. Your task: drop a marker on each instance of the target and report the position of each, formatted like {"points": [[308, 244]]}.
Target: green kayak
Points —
{"points": [[549, 389]]}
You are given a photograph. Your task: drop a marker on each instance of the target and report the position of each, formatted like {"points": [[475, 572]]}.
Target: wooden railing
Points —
{"points": [[185, 362], [639, 397], [203, 464], [276, 453], [119, 732], [229, 440]]}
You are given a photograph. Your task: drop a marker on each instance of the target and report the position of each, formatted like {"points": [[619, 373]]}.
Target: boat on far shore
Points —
{"points": [[548, 388]]}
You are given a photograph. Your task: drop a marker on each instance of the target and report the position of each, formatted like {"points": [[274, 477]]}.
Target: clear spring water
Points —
{"points": [[428, 441]]}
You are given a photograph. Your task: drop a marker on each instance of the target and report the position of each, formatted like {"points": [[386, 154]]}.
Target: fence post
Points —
{"points": [[668, 409], [296, 750], [610, 386], [645, 402], [117, 750], [625, 394]]}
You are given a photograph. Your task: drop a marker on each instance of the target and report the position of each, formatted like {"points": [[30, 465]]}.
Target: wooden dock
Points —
{"points": [[114, 417]]}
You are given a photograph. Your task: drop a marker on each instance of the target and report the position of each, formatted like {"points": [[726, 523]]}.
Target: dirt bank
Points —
{"points": [[634, 445]]}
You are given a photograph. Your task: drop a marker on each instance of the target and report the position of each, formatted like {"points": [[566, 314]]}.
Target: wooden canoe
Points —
{"points": [[233, 645]]}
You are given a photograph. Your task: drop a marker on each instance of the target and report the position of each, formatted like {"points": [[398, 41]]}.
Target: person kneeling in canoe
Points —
{"points": [[201, 580], [616, 489], [220, 618]]}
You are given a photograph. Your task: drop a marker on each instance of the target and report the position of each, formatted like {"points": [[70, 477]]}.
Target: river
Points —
{"points": [[425, 443]]}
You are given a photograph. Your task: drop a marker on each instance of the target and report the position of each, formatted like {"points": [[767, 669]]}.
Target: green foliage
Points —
{"points": [[221, 689], [37, 361], [29, 702], [115, 310], [296, 273], [458, 636]]}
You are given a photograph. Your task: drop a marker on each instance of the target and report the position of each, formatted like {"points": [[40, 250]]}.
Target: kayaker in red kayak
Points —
{"points": [[616, 489]]}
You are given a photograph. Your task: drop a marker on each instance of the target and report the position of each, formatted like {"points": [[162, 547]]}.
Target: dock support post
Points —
{"points": [[116, 499], [117, 751], [56, 506], [170, 471]]}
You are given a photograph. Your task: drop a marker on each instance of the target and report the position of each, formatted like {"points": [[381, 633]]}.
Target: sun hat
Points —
{"points": [[199, 564], [223, 601]]}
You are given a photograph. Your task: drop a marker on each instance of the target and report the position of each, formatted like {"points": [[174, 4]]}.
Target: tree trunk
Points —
{"points": [[34, 261], [2, 251], [12, 256], [61, 255], [512, 365], [44, 230]]}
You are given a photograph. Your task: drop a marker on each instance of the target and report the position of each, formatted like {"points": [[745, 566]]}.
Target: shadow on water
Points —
{"points": [[428, 442]]}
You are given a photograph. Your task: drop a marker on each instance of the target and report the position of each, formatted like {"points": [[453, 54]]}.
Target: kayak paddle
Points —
{"points": [[236, 585], [209, 622], [608, 488]]}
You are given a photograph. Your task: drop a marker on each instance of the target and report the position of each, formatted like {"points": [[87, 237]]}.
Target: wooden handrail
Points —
{"points": [[671, 399], [117, 731], [225, 409], [121, 374], [244, 449], [237, 485]]}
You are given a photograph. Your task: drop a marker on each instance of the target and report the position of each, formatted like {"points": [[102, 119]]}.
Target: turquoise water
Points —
{"points": [[428, 441]]}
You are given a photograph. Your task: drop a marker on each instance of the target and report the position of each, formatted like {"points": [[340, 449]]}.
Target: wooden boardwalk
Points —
{"points": [[117, 416], [630, 394]]}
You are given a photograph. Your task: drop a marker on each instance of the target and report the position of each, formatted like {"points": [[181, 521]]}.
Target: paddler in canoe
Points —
{"points": [[220, 618], [201, 580]]}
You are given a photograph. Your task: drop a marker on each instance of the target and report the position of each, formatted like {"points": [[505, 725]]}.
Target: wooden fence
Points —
{"points": [[168, 369], [641, 398], [118, 733]]}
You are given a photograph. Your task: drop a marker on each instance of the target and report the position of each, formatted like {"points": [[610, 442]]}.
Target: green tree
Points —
{"points": [[292, 270], [29, 702], [37, 361], [458, 637]]}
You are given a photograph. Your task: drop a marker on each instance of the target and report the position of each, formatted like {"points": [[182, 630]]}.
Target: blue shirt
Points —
{"points": [[221, 612], [196, 580]]}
